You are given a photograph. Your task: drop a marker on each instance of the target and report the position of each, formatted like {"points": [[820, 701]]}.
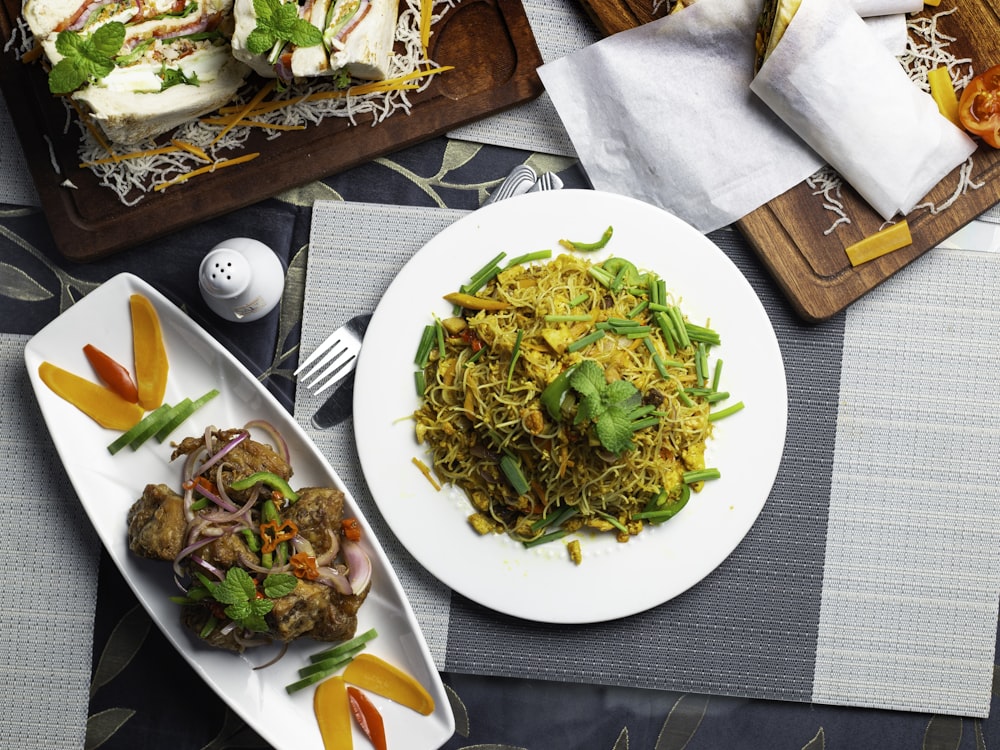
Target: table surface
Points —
{"points": [[129, 710]]}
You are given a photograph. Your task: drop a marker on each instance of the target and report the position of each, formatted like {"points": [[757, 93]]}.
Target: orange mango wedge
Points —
{"points": [[101, 404], [151, 365], [371, 673]]}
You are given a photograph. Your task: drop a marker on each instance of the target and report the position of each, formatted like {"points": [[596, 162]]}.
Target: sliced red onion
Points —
{"points": [[327, 557], [359, 567], [335, 579], [359, 16], [280, 444], [221, 453]]}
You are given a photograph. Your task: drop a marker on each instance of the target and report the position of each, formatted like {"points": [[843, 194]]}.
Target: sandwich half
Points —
{"points": [[138, 68], [771, 25], [355, 39]]}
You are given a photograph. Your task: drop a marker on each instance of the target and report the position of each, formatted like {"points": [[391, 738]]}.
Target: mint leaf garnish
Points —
{"points": [[277, 585], [85, 57], [238, 592], [278, 23], [608, 405]]}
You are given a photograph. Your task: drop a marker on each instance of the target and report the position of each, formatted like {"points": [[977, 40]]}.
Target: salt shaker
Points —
{"points": [[241, 279]]}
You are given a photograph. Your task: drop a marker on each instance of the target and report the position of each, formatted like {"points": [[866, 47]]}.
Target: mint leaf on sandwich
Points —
{"points": [[278, 24], [85, 57]]}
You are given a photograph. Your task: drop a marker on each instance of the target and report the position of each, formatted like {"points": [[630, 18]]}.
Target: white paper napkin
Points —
{"points": [[863, 115], [665, 112]]}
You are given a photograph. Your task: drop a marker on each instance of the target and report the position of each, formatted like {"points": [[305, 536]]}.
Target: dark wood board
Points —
{"points": [[489, 42], [788, 233]]}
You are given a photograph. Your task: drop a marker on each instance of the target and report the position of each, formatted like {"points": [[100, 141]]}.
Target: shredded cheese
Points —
{"points": [[884, 241], [205, 170]]}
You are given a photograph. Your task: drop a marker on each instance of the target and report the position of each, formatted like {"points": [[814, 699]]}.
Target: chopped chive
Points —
{"points": [[678, 319], [717, 375], [619, 279], [657, 307], [637, 334], [612, 520], [601, 276], [700, 364], [651, 346], [514, 355], [424, 347], [701, 333], [722, 413], [555, 519], [529, 257], [641, 411], [439, 330], [420, 382], [658, 361], [716, 396], [683, 398], [484, 274], [622, 322], [700, 475], [603, 326], [514, 475], [587, 340], [667, 329], [576, 317], [546, 538], [661, 291], [637, 309], [637, 291], [642, 424], [579, 299], [474, 357]]}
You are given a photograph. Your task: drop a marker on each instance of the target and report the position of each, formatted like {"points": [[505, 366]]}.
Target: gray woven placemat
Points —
{"points": [[50, 579], [16, 186], [870, 578]]}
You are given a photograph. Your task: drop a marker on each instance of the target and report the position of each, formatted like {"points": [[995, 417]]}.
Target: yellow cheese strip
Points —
{"points": [[943, 91], [876, 245], [425, 24], [204, 170]]}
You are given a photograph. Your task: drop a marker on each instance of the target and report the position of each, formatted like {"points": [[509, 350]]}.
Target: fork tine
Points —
{"points": [[318, 352], [337, 370], [334, 352]]}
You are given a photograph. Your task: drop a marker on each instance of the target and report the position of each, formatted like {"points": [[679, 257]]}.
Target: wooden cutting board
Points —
{"points": [[489, 42], [792, 233]]}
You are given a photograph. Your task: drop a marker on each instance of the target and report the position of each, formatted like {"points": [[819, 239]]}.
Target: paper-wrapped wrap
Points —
{"points": [[665, 112], [835, 85]]}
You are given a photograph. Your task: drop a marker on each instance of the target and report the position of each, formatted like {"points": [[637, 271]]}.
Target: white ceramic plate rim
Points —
{"points": [[614, 580], [107, 486]]}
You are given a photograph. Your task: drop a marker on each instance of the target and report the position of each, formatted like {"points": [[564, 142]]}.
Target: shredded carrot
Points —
{"points": [[258, 97], [204, 170], [426, 472], [191, 149]]}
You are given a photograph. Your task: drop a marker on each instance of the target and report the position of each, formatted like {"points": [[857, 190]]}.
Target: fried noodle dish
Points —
{"points": [[567, 396]]}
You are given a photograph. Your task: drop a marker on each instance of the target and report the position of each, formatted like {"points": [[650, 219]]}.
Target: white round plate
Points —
{"points": [[614, 579]]}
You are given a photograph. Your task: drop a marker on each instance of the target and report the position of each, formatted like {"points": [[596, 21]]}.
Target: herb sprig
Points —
{"points": [[85, 57], [610, 406], [239, 593], [279, 24]]}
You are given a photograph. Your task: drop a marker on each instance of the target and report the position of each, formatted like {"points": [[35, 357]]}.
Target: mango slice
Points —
{"points": [[369, 672], [151, 365], [333, 712], [101, 404]]}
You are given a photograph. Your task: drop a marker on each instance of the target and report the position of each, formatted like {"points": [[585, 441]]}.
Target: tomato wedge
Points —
{"points": [[979, 107], [367, 716], [113, 374]]}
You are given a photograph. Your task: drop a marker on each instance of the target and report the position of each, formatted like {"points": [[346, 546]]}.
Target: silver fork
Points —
{"points": [[336, 357]]}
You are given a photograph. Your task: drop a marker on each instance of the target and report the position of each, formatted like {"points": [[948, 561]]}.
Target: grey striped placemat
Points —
{"points": [[871, 577], [50, 579]]}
